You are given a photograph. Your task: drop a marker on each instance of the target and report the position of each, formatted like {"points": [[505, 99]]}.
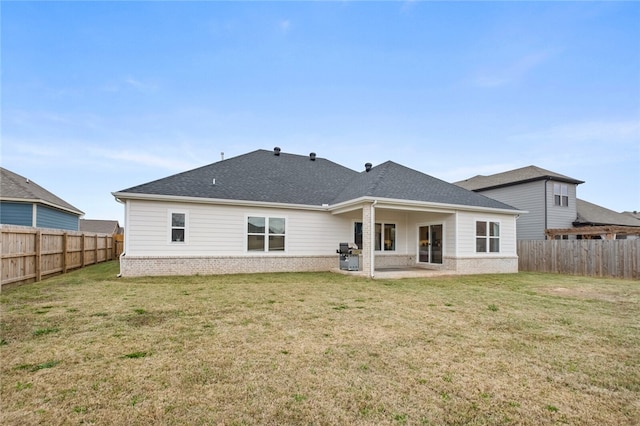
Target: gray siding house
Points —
{"points": [[270, 211], [554, 210], [549, 197], [25, 203]]}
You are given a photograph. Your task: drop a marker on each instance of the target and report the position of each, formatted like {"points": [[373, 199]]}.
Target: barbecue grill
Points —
{"points": [[349, 261]]}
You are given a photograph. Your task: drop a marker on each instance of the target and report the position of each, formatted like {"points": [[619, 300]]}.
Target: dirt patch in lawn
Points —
{"points": [[590, 294]]}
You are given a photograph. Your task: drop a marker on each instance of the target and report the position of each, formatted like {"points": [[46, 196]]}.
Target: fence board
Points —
{"points": [[30, 254], [600, 258]]}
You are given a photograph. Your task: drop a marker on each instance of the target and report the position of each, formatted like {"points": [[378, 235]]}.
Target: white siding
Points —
{"points": [[467, 234], [450, 240], [400, 220], [448, 222], [221, 230], [216, 239]]}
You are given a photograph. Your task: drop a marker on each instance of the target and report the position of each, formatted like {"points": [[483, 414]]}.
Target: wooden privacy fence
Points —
{"points": [[598, 258], [31, 254]]}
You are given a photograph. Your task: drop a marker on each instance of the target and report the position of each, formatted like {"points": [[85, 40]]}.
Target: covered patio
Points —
{"points": [[400, 239]]}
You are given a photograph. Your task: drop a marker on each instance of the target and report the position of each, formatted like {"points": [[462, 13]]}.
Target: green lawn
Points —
{"points": [[320, 348]]}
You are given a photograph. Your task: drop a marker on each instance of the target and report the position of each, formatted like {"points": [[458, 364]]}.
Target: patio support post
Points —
{"points": [[367, 245], [368, 238]]}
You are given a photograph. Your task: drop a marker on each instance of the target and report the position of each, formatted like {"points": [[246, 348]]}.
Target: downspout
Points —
{"points": [[120, 262], [372, 238], [124, 249]]}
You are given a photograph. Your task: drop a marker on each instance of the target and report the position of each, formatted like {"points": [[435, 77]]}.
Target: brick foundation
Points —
{"points": [[157, 266], [474, 265]]}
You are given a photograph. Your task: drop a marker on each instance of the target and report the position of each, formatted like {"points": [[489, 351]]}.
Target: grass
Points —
{"points": [[525, 349]]}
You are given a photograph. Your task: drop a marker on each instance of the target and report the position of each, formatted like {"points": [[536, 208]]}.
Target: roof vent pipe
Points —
{"points": [[276, 150], [312, 156], [367, 167]]}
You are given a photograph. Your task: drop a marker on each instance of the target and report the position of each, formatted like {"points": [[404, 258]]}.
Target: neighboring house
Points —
{"points": [[549, 198], [594, 220], [268, 211], [24, 202], [110, 227]]}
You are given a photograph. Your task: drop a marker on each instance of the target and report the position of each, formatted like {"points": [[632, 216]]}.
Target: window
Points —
{"points": [[357, 234], [178, 227], [487, 237], [385, 236], [561, 194], [389, 236], [265, 233]]}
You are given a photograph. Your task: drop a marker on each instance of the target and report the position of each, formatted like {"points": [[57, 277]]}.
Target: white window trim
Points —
{"points": [[266, 235], [170, 227], [353, 233], [560, 186], [444, 237], [488, 237], [382, 224]]}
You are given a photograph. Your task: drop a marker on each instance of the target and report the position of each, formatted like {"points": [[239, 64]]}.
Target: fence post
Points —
{"points": [[82, 251], [64, 252], [38, 244], [95, 256]]}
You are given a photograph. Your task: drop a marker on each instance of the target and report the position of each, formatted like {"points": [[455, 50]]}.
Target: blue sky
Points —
{"points": [[102, 96]]}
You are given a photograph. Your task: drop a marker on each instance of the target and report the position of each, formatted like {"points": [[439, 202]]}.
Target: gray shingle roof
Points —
{"points": [[593, 214], [295, 179], [258, 176], [392, 180], [634, 214], [513, 177], [16, 187], [100, 226]]}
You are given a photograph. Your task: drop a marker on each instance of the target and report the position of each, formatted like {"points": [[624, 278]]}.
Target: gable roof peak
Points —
{"points": [[391, 180], [16, 187], [513, 177]]}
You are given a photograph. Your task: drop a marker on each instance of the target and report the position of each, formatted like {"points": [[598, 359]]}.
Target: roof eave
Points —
{"points": [[354, 204], [523, 181], [588, 223], [338, 208], [40, 201], [120, 196]]}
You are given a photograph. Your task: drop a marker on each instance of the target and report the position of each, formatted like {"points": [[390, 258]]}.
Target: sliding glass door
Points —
{"points": [[430, 244]]}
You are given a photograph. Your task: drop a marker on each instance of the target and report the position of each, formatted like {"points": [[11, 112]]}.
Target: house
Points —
{"points": [[594, 221], [25, 203], [268, 211], [634, 214], [550, 198], [96, 226], [552, 203]]}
